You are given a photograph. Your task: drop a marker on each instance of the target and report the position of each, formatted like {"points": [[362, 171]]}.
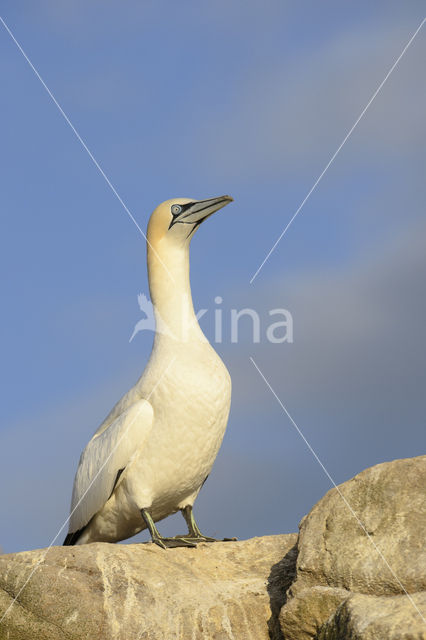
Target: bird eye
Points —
{"points": [[176, 209]]}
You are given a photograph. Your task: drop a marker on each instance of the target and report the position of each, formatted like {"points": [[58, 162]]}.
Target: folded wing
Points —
{"points": [[106, 454]]}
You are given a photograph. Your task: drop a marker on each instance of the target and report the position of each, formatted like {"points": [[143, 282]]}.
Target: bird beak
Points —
{"points": [[199, 211]]}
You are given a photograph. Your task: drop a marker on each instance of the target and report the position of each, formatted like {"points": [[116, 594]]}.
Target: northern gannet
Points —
{"points": [[153, 452]]}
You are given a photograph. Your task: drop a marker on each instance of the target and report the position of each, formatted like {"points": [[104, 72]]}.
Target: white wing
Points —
{"points": [[105, 454], [130, 398]]}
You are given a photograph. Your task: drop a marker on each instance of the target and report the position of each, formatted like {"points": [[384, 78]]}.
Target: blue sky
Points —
{"points": [[198, 99]]}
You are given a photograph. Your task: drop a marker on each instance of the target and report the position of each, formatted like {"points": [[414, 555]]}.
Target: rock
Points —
{"points": [[334, 550], [123, 592], [363, 617], [303, 616]]}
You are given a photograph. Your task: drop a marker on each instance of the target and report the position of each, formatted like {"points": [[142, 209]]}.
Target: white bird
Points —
{"points": [[152, 454]]}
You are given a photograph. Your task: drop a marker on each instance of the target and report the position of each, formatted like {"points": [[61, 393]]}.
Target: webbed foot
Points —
{"points": [[198, 538], [171, 543], [194, 533], [157, 538]]}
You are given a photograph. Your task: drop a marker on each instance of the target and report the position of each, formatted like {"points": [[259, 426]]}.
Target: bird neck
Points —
{"points": [[170, 290]]}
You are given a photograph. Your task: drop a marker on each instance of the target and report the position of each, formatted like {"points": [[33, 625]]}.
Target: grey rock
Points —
{"points": [[387, 502], [219, 591], [363, 617], [303, 616]]}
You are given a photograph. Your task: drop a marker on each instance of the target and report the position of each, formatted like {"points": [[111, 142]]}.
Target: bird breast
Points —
{"points": [[191, 406], [194, 390]]}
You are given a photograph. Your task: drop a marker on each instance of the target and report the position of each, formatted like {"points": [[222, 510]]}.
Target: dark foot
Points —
{"points": [[157, 538], [194, 533], [198, 538], [171, 543]]}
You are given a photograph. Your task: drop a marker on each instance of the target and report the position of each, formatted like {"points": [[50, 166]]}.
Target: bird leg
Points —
{"points": [[157, 538], [194, 533]]}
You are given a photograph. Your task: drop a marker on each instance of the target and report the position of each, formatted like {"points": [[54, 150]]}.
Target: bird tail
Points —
{"points": [[72, 538]]}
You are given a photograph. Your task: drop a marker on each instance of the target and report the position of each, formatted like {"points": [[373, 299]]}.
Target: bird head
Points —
{"points": [[178, 219]]}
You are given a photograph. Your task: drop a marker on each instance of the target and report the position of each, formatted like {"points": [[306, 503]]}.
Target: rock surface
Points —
{"points": [[220, 591], [363, 617], [387, 502], [301, 617], [337, 557]]}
